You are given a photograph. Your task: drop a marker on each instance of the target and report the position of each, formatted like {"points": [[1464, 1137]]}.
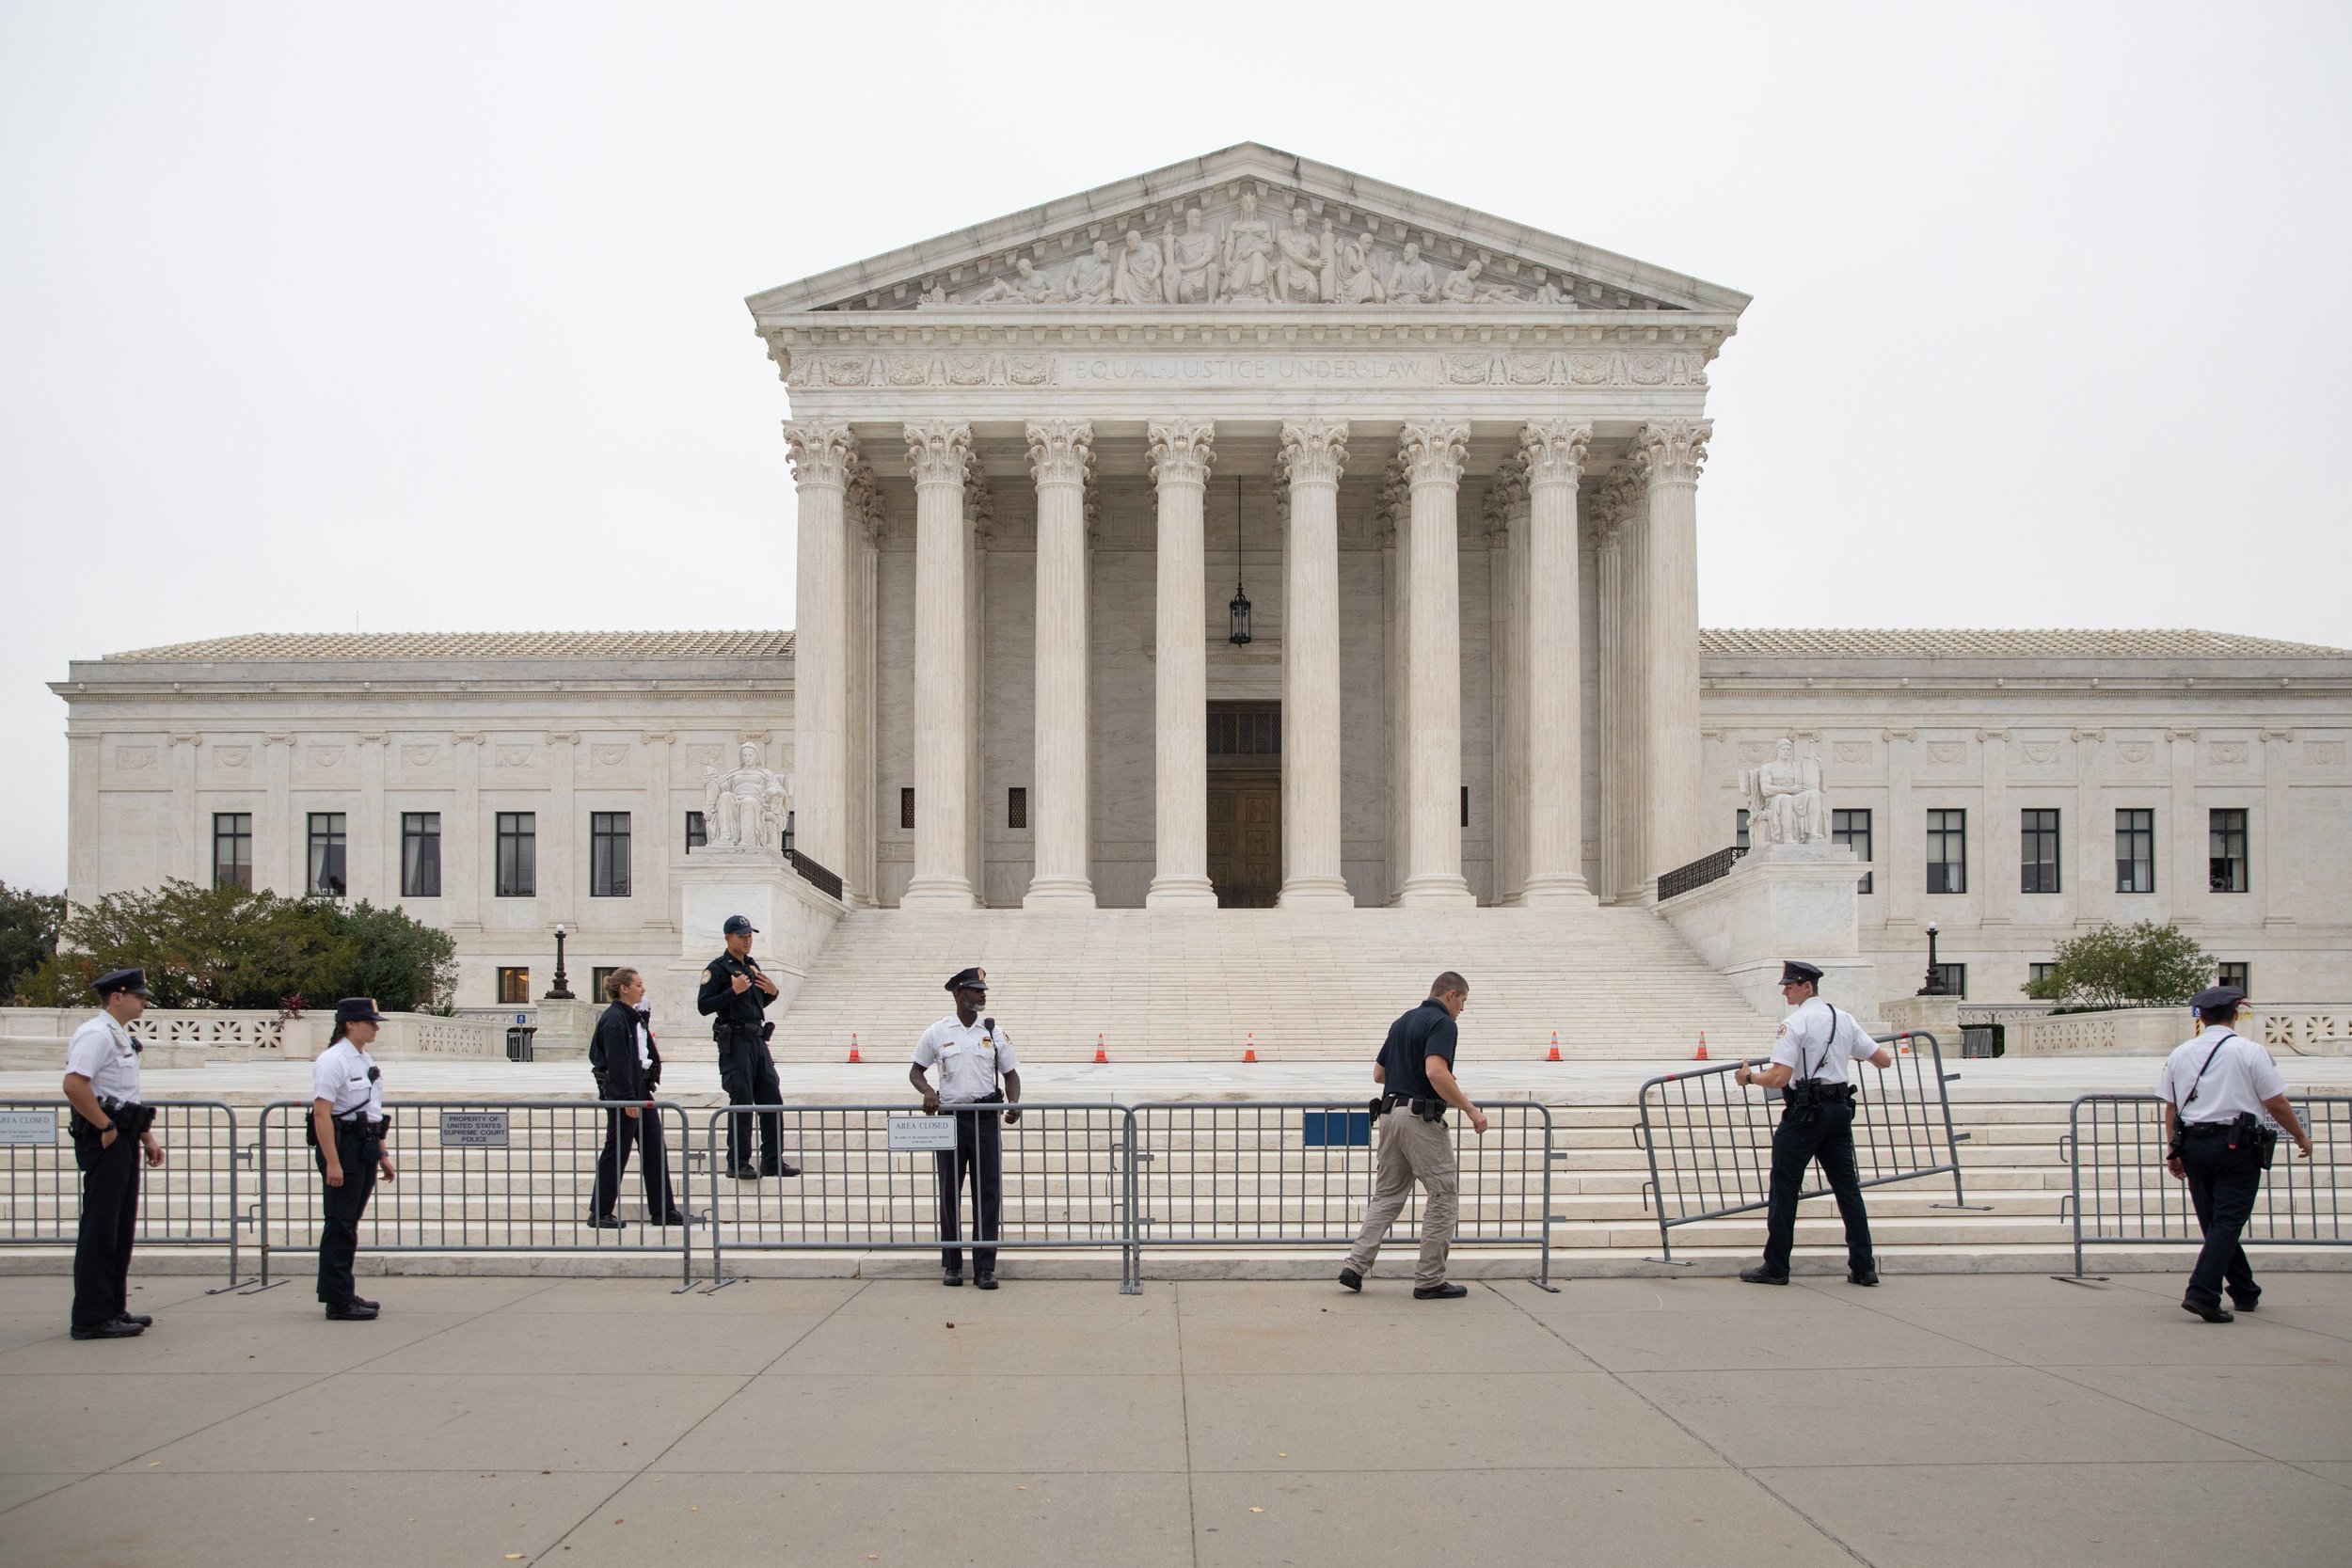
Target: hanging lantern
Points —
{"points": [[1239, 608]]}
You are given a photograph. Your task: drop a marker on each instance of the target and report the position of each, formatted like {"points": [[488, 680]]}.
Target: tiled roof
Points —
{"points": [[1810, 642], [276, 646]]}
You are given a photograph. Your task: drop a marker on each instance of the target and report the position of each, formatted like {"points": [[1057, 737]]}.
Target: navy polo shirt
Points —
{"points": [[1427, 1031]]}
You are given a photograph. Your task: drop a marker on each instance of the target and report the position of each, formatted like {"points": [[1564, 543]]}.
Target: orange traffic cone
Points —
{"points": [[1702, 1055], [1100, 1055], [1555, 1047], [853, 1055], [1250, 1052]]}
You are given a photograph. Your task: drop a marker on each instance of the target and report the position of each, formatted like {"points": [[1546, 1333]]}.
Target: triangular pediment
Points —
{"points": [[1247, 228]]}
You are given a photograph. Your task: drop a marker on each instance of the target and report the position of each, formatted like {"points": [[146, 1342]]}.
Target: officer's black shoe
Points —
{"points": [[986, 1282], [1762, 1276], [145, 1321], [119, 1329], [1350, 1279], [605, 1222], [1862, 1277], [677, 1216], [745, 1173], [2243, 1303], [354, 1311], [785, 1169], [371, 1306], [2216, 1313], [951, 1276], [1447, 1291]]}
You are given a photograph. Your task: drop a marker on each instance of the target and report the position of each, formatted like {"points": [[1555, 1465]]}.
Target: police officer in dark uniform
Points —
{"points": [[735, 996], [110, 1128]]}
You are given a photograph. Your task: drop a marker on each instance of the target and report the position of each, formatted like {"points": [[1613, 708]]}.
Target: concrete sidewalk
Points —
{"points": [[1936, 1420]]}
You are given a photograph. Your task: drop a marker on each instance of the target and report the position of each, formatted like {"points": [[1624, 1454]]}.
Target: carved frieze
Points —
{"points": [[513, 757], [2227, 752], [135, 757], [1947, 753], [232, 756], [324, 756], [610, 756], [2134, 751], [2040, 753], [2324, 753], [1851, 752]]}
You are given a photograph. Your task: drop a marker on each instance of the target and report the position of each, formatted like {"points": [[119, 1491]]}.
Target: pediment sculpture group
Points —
{"points": [[1252, 261]]}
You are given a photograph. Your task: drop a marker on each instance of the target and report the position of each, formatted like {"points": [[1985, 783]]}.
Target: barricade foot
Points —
{"points": [[1545, 1285], [234, 1284], [257, 1289], [1970, 1208], [1670, 1262], [717, 1285], [2084, 1280]]}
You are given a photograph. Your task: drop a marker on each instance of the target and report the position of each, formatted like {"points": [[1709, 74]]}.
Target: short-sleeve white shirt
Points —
{"points": [[100, 1052], [1817, 1041], [968, 1059], [340, 1076], [2241, 1078]]}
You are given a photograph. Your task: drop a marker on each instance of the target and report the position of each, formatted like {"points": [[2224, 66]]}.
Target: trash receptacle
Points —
{"points": [[518, 1042]]}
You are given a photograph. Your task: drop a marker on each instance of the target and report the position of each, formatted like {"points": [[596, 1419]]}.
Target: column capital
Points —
{"points": [[1554, 449], [1313, 451], [822, 451], [1060, 450], [939, 452], [1182, 449], [1433, 450], [1672, 452]]}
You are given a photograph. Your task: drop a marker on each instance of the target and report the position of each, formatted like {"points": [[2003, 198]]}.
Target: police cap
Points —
{"points": [[738, 925], [132, 980], [358, 1009], [968, 979], [2214, 999], [1796, 972]]}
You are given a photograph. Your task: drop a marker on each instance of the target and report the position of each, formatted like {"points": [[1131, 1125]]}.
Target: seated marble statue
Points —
{"points": [[1091, 275], [1304, 259], [1358, 277], [1139, 276], [1414, 281], [1192, 261], [1786, 804], [1250, 254]]}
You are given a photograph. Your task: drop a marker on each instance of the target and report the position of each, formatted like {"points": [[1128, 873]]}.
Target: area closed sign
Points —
{"points": [[922, 1134], [35, 1127]]}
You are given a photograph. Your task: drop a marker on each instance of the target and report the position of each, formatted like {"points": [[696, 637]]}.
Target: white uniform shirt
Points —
{"points": [[2241, 1078], [968, 1059], [100, 1052], [1817, 1041], [645, 1051], [340, 1076]]}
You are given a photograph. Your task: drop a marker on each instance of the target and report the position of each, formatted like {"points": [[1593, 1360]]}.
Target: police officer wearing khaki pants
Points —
{"points": [[1415, 1071]]}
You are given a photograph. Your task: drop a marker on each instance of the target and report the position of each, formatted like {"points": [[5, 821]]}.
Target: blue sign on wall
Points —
{"points": [[1339, 1129]]}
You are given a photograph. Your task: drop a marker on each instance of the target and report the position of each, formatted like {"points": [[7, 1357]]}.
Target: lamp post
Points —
{"points": [[562, 990], [1238, 611], [1935, 971]]}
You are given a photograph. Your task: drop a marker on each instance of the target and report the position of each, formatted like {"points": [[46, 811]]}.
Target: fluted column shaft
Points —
{"points": [[1060, 451], [1432, 452], [1314, 452], [1671, 453], [1554, 743], [1182, 452], [822, 455], [939, 453]]}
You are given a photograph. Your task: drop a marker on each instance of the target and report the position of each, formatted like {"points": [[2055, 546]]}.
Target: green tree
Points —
{"points": [[29, 933], [2146, 965], [407, 966]]}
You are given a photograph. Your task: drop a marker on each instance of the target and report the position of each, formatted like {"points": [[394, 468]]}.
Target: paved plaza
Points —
{"points": [[1962, 1419]]}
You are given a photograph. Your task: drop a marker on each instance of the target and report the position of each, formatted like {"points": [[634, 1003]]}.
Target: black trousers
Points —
{"points": [[1826, 1134], [981, 1155], [338, 1236], [748, 1074], [110, 1221], [2222, 1182], [653, 1167]]}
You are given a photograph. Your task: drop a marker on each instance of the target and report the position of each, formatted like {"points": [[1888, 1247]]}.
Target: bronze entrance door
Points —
{"points": [[1245, 804]]}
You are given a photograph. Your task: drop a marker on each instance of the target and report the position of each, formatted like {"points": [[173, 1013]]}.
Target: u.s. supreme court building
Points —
{"points": [[1454, 466]]}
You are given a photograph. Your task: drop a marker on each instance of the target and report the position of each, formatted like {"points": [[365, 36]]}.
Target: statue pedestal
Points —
{"points": [[1783, 901], [1932, 1015], [794, 920]]}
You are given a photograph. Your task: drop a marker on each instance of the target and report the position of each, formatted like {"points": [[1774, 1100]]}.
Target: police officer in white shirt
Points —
{"points": [[1808, 1066], [347, 1125], [970, 1050], [110, 1126], [2224, 1106]]}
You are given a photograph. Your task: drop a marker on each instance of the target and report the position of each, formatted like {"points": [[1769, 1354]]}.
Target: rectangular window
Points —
{"points": [[420, 854], [2226, 851], [607, 854], [519, 854], [2134, 850], [325, 879], [1852, 830], [1947, 851], [232, 848], [597, 976], [1017, 806], [697, 835], [2240, 975], [2038, 971], [2038, 851], [514, 986], [1739, 829], [906, 808], [1952, 977]]}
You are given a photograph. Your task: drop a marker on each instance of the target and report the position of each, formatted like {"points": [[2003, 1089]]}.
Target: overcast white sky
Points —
{"points": [[429, 317]]}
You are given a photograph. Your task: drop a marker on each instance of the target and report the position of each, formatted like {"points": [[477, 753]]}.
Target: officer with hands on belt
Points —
{"points": [[1415, 1070], [735, 996], [110, 1126], [2224, 1105], [347, 1127], [970, 1051], [1808, 1067]]}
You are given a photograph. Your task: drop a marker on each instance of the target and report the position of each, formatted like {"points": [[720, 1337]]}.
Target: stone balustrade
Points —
{"points": [[190, 1037], [2303, 1029]]}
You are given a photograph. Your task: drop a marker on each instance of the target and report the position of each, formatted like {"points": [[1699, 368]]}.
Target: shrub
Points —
{"points": [[2144, 965]]}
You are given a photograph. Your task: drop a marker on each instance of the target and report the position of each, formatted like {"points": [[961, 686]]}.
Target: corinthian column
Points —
{"points": [[1671, 453], [1621, 642], [823, 455], [1180, 454], [1552, 746], [1059, 452], [1313, 451], [939, 453], [1432, 452]]}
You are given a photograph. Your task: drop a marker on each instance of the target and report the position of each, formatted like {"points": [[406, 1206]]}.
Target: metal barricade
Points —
{"points": [[2121, 1194], [1715, 1138], [1064, 1185], [190, 1200], [481, 1175], [1300, 1173]]}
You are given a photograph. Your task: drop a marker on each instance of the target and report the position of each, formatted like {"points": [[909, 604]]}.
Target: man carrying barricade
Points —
{"points": [[1808, 1068], [1415, 1071], [110, 1130], [970, 1052]]}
